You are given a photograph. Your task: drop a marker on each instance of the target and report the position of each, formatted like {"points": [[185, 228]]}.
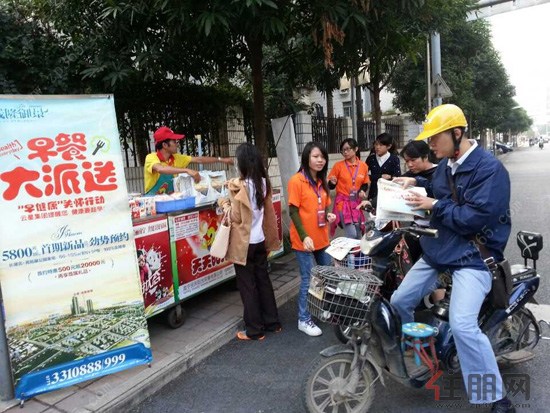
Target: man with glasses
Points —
{"points": [[161, 166], [470, 207]]}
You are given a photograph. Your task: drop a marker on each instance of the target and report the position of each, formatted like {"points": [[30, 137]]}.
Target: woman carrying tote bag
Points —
{"points": [[253, 234]]}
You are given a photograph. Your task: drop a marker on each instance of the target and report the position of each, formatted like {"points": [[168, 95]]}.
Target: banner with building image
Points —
{"points": [[69, 274]]}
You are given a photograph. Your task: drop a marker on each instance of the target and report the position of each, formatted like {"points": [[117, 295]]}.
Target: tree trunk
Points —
{"points": [[256, 57], [376, 111], [359, 102], [141, 137], [330, 105]]}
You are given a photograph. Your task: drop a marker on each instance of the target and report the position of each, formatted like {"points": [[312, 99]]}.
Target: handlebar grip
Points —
{"points": [[429, 232]]}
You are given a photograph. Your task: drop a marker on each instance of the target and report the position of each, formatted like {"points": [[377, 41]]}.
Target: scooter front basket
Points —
{"points": [[341, 295]]}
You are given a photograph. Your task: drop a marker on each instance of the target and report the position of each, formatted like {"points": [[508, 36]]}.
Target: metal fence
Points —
{"points": [[332, 131], [218, 138], [393, 127], [329, 131], [221, 138], [366, 133]]}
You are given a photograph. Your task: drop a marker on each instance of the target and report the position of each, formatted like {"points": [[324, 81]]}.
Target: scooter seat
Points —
{"points": [[418, 330]]}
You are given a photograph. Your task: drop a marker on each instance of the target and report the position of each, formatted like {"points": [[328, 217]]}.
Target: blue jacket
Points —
{"points": [[482, 212]]}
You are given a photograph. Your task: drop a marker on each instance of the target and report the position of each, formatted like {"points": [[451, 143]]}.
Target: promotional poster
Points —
{"points": [[69, 270], [193, 233], [153, 254], [278, 213]]}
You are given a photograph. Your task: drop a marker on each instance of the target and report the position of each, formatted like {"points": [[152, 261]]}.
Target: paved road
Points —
{"points": [[267, 376]]}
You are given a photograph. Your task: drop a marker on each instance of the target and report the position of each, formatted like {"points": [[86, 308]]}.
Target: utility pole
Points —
{"points": [[428, 78], [436, 64]]}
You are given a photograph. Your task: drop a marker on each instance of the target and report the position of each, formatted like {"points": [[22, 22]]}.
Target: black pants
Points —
{"points": [[260, 309]]}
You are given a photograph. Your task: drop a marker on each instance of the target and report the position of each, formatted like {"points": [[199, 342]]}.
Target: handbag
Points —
{"points": [[502, 285], [220, 244]]}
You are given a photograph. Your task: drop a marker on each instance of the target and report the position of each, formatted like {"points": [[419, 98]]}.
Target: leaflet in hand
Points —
{"points": [[392, 203]]}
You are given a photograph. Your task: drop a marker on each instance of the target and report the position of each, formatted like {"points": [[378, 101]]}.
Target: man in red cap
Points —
{"points": [[161, 166]]}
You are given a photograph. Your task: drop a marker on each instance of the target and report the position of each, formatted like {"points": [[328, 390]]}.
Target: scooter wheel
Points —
{"points": [[325, 390]]}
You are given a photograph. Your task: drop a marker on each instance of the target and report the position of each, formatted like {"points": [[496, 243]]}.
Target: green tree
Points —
{"points": [[472, 69], [396, 36], [33, 59], [515, 121], [124, 42]]}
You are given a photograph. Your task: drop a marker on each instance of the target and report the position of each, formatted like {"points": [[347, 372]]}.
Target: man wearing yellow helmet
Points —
{"points": [[469, 199]]}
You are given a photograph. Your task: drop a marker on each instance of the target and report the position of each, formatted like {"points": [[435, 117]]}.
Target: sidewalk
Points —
{"points": [[212, 321]]}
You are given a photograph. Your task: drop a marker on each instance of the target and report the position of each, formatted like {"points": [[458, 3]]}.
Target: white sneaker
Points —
{"points": [[309, 328]]}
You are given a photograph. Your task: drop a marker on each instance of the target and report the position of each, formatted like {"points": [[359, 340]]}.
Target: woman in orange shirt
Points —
{"points": [[350, 177], [308, 202]]}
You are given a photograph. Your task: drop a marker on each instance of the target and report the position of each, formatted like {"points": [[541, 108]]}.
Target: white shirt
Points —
{"points": [[383, 158], [256, 230], [454, 165]]}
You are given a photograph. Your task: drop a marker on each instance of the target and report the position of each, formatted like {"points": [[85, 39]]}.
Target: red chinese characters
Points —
{"points": [[65, 170]]}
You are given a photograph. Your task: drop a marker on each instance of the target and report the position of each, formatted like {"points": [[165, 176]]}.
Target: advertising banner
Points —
{"points": [[193, 233], [279, 214], [69, 273], [153, 253]]}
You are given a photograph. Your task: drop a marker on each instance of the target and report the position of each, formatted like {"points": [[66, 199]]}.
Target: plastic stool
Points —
{"points": [[419, 336]]}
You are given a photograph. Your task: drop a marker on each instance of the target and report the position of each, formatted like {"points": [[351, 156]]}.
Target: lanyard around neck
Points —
{"points": [[315, 187], [353, 176]]}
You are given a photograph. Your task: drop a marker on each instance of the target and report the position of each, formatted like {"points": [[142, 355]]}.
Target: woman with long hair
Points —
{"points": [[253, 235], [350, 177], [308, 202]]}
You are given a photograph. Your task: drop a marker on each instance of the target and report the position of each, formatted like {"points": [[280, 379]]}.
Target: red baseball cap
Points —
{"points": [[164, 133]]}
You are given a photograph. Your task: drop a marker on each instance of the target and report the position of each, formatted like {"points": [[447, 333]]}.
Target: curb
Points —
{"points": [[151, 380]]}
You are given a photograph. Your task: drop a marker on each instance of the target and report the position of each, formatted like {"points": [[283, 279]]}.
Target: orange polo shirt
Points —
{"points": [[344, 176], [302, 195]]}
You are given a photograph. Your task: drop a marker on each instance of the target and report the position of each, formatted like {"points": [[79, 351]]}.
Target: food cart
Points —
{"points": [[174, 259]]}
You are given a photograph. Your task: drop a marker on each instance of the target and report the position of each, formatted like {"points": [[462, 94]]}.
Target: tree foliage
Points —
{"points": [[471, 68], [33, 58], [264, 49], [397, 34], [515, 121]]}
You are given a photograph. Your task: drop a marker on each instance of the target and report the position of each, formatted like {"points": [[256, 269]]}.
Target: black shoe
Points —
{"points": [[275, 328], [503, 406]]}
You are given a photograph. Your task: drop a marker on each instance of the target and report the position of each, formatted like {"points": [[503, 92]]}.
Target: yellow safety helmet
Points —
{"points": [[442, 118]]}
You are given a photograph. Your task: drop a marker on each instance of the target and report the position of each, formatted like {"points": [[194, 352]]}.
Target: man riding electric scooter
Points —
{"points": [[469, 198]]}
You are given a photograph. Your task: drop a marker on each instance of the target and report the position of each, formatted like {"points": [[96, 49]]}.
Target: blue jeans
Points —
{"points": [[352, 231], [470, 286], [306, 261]]}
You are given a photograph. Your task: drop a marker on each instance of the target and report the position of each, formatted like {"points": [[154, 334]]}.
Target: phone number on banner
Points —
{"points": [[91, 367], [84, 369]]}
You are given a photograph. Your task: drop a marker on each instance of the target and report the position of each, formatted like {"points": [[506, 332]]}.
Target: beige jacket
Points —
{"points": [[241, 222]]}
